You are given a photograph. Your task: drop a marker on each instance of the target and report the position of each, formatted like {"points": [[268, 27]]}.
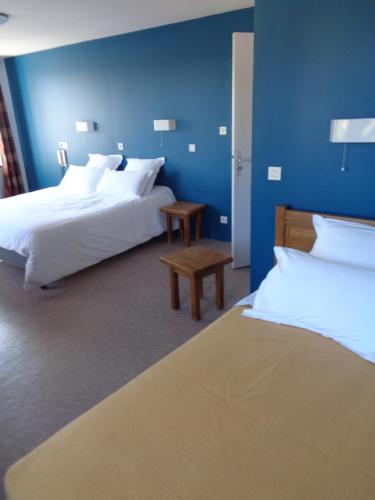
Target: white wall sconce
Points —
{"points": [[349, 131], [85, 126], [166, 125], [358, 130], [62, 159]]}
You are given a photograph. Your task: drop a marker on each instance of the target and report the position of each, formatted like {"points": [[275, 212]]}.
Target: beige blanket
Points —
{"points": [[246, 410]]}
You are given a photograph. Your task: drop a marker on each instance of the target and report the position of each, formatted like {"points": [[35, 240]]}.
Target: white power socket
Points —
{"points": [[192, 148], [63, 145], [120, 146], [223, 219]]}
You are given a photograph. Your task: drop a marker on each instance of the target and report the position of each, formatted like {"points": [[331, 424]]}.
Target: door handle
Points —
{"points": [[238, 158], [238, 161]]}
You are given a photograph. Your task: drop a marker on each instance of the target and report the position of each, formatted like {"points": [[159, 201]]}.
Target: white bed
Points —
{"points": [[60, 232]]}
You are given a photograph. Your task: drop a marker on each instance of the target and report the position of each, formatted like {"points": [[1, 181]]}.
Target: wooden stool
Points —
{"points": [[184, 211], [195, 263]]}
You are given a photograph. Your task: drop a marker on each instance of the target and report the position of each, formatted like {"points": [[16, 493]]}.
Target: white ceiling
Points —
{"points": [[43, 24]]}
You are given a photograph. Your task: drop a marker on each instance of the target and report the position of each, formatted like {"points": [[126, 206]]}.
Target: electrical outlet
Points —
{"points": [[223, 219], [63, 145], [192, 148], [120, 146], [222, 130]]}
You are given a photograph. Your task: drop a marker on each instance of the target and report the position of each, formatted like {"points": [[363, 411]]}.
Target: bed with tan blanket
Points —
{"points": [[245, 410]]}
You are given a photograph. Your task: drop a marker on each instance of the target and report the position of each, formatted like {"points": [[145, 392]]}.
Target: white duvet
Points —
{"points": [[61, 232]]}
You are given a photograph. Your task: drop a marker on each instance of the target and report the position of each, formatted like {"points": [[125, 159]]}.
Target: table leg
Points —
{"points": [[187, 231], [182, 229], [201, 291], [220, 288], [175, 296], [169, 228], [198, 226], [195, 299]]}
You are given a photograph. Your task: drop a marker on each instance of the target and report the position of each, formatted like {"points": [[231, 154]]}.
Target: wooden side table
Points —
{"points": [[196, 263], [184, 211]]}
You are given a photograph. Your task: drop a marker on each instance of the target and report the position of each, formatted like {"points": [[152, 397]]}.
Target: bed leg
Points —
{"points": [[44, 287]]}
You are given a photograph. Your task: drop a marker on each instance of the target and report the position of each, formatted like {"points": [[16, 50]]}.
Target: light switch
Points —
{"points": [[192, 148], [222, 130], [63, 145], [223, 219], [120, 146], [274, 173]]}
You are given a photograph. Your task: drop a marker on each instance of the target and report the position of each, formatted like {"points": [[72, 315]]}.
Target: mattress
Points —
{"points": [[60, 232], [245, 410]]}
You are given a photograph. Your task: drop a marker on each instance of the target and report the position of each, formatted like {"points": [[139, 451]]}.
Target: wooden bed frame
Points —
{"points": [[294, 228]]}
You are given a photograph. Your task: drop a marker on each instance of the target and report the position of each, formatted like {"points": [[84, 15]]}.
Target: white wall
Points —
{"points": [[12, 119]]}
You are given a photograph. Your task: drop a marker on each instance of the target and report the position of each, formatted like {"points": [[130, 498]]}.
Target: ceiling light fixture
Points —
{"points": [[3, 18]]}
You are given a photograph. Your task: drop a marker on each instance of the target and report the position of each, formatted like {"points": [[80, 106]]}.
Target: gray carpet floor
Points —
{"points": [[65, 349]]}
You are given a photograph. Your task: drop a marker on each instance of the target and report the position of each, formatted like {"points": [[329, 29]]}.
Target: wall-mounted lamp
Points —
{"points": [[164, 126], [349, 131], [85, 126], [62, 159]]}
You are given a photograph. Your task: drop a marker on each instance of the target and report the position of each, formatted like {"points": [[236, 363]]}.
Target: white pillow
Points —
{"points": [[343, 241], [104, 161], [332, 299], [149, 165], [81, 179], [125, 184]]}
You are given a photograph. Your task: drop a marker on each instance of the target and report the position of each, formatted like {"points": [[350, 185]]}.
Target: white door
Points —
{"points": [[242, 118]]}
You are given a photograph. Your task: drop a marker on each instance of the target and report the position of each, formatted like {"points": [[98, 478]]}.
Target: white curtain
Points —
{"points": [[1, 179]]}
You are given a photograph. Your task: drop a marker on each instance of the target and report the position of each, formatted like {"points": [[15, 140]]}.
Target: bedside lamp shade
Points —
{"points": [[84, 126], [355, 130], [164, 125]]}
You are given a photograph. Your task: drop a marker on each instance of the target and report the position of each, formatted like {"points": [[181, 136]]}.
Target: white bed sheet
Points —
{"points": [[60, 232]]}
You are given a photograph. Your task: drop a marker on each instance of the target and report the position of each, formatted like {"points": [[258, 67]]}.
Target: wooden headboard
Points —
{"points": [[294, 228]]}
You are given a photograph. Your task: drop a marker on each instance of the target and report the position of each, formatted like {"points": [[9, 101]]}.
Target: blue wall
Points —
{"points": [[314, 61], [123, 83]]}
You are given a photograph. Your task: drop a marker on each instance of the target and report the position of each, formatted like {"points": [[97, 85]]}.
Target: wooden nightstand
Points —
{"points": [[195, 263], [185, 212]]}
